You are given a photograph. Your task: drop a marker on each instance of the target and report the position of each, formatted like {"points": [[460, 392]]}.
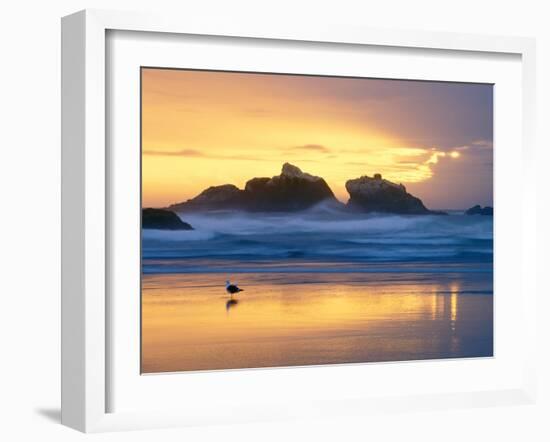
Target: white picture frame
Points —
{"points": [[85, 236]]}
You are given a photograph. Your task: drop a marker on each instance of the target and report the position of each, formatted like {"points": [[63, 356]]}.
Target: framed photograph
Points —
{"points": [[292, 222]]}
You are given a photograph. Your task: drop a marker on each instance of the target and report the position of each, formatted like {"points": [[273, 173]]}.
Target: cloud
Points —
{"points": [[474, 145], [486, 144], [312, 147], [192, 153], [174, 153]]}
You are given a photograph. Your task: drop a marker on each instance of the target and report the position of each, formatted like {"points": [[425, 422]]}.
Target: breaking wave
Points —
{"points": [[319, 236]]}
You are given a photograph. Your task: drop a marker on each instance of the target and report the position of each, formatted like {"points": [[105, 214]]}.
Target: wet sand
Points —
{"points": [[292, 319]]}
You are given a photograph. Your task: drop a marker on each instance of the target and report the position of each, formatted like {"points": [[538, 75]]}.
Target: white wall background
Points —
{"points": [[30, 215]]}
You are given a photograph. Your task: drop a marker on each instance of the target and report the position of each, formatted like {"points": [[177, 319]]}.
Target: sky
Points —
{"points": [[204, 128]]}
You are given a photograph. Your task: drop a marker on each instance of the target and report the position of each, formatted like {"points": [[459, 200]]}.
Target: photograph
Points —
{"points": [[303, 220]]}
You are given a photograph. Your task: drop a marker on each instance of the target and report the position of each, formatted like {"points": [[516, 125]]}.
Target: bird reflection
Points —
{"points": [[231, 303]]}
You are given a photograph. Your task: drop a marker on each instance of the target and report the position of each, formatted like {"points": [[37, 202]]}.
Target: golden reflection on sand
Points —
{"points": [[190, 323]]}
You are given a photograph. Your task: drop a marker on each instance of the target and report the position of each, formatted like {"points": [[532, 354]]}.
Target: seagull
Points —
{"points": [[232, 288]]}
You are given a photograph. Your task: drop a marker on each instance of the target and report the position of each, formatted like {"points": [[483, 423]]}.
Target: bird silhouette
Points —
{"points": [[232, 288]]}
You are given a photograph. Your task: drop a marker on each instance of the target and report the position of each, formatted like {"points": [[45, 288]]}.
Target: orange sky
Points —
{"points": [[208, 128]]}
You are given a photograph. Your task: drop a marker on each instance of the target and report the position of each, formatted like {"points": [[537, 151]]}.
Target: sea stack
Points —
{"points": [[291, 191], [478, 210], [161, 219], [377, 194]]}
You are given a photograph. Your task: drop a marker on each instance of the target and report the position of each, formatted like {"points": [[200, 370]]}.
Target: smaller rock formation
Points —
{"points": [[161, 219], [478, 210], [226, 196], [380, 195]]}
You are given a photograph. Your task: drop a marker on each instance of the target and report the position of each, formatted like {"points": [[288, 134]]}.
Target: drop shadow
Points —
{"points": [[51, 414]]}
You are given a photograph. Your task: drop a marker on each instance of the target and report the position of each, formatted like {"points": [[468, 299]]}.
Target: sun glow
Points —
{"points": [[201, 129]]}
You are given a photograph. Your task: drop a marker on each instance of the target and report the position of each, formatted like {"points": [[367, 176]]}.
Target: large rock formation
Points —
{"points": [[379, 195], [478, 210], [291, 191], [162, 220]]}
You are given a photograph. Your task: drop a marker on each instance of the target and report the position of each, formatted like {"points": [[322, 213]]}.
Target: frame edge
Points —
{"points": [[73, 80], [83, 373], [83, 205]]}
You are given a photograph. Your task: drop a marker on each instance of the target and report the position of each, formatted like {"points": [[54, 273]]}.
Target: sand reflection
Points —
{"points": [[231, 303], [189, 323]]}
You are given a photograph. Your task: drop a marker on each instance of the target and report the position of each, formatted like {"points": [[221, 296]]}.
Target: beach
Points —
{"points": [[293, 319]]}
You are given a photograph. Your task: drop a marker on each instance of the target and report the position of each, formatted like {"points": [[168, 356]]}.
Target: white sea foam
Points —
{"points": [[325, 235], [239, 223]]}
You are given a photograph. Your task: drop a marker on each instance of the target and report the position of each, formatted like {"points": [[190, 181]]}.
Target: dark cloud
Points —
{"points": [[424, 113], [462, 182]]}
